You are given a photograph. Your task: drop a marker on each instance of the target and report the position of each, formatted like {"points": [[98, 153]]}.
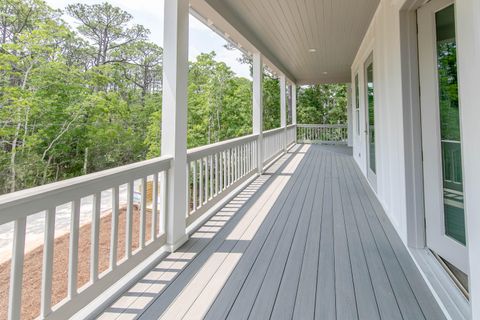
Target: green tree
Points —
{"points": [[322, 104], [214, 114], [107, 27], [271, 101]]}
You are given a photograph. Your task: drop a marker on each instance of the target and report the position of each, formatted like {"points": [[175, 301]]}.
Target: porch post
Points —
{"points": [[283, 110], [174, 117], [294, 108], [349, 115], [258, 107]]}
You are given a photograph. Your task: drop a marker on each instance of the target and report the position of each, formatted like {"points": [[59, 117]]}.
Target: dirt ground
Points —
{"points": [[33, 263]]}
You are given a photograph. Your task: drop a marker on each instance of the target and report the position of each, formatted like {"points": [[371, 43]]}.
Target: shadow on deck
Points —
{"points": [[308, 239]]}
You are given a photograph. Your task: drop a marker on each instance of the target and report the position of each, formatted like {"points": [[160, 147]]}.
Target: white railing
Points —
{"points": [[215, 169], [273, 143], [322, 133], [99, 227], [291, 134], [125, 204]]}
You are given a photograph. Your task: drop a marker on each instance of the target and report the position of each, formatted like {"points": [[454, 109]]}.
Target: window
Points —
{"points": [[357, 105]]}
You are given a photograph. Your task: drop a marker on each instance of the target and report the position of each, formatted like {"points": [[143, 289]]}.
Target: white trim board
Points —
{"points": [[448, 295]]}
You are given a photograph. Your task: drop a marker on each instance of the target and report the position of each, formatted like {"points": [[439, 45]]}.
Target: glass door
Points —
{"points": [[442, 148], [370, 122]]}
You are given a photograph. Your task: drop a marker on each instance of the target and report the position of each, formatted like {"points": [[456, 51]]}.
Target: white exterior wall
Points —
{"points": [[468, 41], [384, 40]]}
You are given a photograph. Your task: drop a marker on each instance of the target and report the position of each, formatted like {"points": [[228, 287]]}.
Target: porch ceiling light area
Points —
{"points": [[331, 30]]}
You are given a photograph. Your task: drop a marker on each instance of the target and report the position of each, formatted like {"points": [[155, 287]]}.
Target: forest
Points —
{"points": [[76, 100]]}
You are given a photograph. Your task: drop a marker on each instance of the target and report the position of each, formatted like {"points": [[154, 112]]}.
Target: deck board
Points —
{"points": [[288, 254], [325, 298], [346, 304], [229, 293], [306, 240], [365, 297], [405, 297], [304, 307], [286, 295], [384, 295], [419, 287], [284, 224]]}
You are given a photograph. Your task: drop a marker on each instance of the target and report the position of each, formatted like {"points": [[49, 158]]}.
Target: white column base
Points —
{"points": [[173, 247]]}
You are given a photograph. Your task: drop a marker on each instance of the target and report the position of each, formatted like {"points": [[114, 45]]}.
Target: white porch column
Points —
{"points": [[294, 108], [174, 117], [349, 115], [294, 104], [258, 107], [283, 109]]}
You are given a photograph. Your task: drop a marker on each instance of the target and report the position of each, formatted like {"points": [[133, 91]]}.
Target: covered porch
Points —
{"points": [[307, 239], [264, 226]]}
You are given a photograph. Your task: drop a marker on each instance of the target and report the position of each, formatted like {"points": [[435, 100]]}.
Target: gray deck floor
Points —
{"points": [[307, 240]]}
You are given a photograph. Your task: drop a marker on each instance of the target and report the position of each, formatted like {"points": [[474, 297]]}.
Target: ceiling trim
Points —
{"points": [[329, 80], [223, 19]]}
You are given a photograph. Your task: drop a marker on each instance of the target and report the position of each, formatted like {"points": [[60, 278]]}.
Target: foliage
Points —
{"points": [[271, 101], [219, 103], [448, 87], [75, 101], [79, 100], [325, 103]]}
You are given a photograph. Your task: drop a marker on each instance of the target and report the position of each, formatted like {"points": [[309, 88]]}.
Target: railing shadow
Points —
{"points": [[223, 222], [152, 295]]}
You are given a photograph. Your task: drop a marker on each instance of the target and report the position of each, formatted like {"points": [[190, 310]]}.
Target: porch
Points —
{"points": [[306, 239], [260, 226]]}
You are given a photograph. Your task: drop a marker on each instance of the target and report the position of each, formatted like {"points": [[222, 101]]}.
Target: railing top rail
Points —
{"points": [[321, 125], [273, 131], [199, 152], [291, 126], [25, 202]]}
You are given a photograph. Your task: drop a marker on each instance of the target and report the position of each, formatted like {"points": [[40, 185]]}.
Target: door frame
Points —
{"points": [[436, 238], [446, 292], [371, 176]]}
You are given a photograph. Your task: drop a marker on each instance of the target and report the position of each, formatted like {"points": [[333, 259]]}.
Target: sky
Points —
{"points": [[149, 13]]}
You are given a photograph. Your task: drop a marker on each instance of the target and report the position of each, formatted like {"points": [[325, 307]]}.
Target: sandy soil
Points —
{"points": [[33, 263]]}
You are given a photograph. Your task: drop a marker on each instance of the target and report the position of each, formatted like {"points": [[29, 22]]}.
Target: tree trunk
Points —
{"points": [[13, 156], [57, 172], [25, 127], [4, 33], [45, 170], [85, 161]]}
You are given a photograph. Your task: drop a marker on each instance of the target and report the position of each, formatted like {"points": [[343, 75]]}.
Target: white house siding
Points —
{"points": [[384, 39], [468, 34]]}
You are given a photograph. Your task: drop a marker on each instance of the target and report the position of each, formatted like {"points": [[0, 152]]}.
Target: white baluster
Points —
{"points": [[73, 253], [47, 269], [95, 237], [16, 269], [114, 232]]}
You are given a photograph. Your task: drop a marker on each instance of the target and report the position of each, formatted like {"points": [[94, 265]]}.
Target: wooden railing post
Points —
{"points": [[258, 107], [174, 117], [283, 110]]}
